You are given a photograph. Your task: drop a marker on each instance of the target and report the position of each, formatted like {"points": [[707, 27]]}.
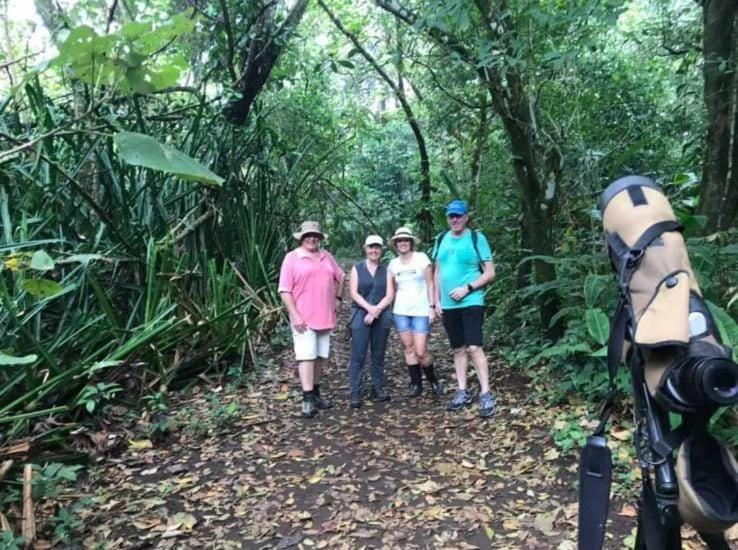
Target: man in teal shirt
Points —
{"points": [[463, 267]]}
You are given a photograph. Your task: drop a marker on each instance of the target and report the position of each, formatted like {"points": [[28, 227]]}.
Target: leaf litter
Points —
{"points": [[401, 474]]}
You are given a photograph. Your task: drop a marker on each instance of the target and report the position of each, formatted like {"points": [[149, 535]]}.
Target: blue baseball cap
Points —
{"points": [[457, 206]]}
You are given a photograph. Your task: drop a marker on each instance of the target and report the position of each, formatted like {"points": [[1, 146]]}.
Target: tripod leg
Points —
{"points": [[674, 538], [640, 542]]}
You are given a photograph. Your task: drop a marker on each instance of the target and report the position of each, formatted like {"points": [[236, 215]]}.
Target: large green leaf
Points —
{"points": [[593, 287], [42, 288], [598, 325], [142, 150]]}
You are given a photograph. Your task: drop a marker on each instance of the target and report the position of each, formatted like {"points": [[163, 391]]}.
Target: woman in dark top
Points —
{"points": [[372, 292]]}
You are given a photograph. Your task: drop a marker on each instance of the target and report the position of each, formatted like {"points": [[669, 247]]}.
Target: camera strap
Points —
{"points": [[595, 477], [595, 459]]}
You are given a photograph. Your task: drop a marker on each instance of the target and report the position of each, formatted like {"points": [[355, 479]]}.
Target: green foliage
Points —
{"points": [[727, 326], [91, 396], [126, 60], [8, 540], [568, 431]]}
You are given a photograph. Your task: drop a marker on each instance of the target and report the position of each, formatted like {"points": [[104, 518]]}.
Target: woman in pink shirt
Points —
{"points": [[311, 285]]}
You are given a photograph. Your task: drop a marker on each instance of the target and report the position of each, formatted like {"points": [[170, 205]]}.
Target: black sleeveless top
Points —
{"points": [[372, 289]]}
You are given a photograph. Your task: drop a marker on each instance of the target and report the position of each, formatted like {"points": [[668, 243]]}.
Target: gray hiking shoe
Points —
{"points": [[487, 405], [461, 399], [308, 407]]}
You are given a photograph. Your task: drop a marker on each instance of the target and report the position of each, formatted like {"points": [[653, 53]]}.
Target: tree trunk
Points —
{"points": [[480, 140], [719, 178], [536, 168], [264, 49]]}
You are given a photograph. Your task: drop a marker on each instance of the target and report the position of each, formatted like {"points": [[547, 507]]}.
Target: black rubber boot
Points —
{"points": [[436, 386], [416, 381]]}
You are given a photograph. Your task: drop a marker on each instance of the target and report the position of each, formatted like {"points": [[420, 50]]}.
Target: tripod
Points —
{"points": [[659, 522]]}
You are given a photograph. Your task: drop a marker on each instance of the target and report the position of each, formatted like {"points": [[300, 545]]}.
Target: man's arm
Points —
{"points": [[486, 277], [340, 277], [298, 323], [461, 292], [339, 288]]}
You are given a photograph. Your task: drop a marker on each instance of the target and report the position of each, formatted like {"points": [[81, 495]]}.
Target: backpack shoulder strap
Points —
{"points": [[437, 247], [475, 238]]}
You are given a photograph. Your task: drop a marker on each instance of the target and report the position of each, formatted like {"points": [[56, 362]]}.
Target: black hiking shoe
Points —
{"points": [[321, 402], [308, 406], [379, 395], [461, 399], [355, 402]]}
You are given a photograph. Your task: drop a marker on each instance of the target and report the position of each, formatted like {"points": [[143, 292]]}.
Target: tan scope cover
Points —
{"points": [[661, 310]]}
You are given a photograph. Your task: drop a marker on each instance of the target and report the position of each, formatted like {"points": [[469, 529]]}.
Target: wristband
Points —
{"points": [[470, 288], [432, 306], [339, 298]]}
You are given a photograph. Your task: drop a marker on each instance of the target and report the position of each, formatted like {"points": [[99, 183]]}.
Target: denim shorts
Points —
{"points": [[419, 324]]}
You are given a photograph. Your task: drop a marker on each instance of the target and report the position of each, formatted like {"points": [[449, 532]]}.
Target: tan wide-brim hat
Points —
{"points": [[307, 228], [404, 233]]}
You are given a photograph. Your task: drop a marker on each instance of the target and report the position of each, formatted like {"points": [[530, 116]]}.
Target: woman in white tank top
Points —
{"points": [[413, 310]]}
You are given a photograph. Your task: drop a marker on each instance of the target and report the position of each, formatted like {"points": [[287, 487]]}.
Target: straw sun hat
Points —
{"points": [[404, 233], [307, 228]]}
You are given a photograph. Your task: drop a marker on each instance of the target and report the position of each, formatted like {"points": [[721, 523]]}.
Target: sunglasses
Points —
{"points": [[313, 236], [398, 241], [374, 246], [455, 216]]}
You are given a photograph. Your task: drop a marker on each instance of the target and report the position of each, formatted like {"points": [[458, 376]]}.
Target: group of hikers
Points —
{"points": [[412, 290]]}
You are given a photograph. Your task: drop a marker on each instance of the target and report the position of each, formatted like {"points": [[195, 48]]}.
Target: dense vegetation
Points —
{"points": [[154, 166]]}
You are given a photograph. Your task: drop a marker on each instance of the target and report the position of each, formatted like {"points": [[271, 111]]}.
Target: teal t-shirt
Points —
{"points": [[460, 266]]}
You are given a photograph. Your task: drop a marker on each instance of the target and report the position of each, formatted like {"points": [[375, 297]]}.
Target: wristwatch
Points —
{"points": [[470, 288]]}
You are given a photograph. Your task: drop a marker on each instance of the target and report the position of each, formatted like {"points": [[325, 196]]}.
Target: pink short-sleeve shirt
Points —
{"points": [[312, 285]]}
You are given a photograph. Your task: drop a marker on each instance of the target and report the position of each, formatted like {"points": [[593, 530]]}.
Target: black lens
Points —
{"points": [[720, 380], [700, 383]]}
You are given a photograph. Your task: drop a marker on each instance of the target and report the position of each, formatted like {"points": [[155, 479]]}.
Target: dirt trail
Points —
{"points": [[402, 474]]}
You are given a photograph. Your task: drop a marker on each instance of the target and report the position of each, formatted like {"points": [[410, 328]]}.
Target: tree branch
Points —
{"points": [[111, 16], [229, 40]]}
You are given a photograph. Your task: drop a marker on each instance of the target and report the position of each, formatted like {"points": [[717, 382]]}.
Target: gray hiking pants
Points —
{"points": [[362, 337]]}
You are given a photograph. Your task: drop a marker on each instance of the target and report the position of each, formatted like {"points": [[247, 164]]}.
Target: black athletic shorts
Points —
{"points": [[464, 326]]}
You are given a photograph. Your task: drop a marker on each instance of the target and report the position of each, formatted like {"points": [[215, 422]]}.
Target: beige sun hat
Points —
{"points": [[404, 233], [309, 227]]}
